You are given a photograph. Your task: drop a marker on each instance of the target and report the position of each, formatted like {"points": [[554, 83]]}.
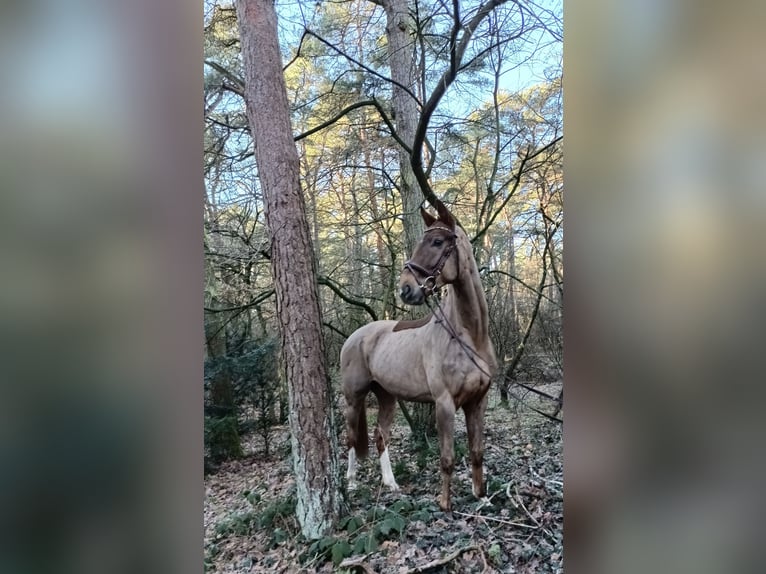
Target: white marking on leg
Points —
{"points": [[385, 469], [351, 473]]}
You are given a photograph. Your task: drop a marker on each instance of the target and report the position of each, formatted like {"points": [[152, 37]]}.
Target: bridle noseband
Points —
{"points": [[428, 285]]}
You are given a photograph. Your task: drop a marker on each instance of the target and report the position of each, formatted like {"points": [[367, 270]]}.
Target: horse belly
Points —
{"points": [[396, 364]]}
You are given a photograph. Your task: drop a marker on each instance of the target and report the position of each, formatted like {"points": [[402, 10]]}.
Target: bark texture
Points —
{"points": [[400, 32], [315, 456]]}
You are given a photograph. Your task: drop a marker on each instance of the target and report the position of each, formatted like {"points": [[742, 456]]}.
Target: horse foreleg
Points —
{"points": [[445, 425], [474, 421], [386, 410]]}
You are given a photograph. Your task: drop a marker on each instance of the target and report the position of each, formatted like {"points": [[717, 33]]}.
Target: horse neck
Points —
{"points": [[467, 304]]}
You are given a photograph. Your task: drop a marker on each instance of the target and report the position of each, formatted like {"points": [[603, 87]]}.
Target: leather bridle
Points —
{"points": [[428, 286]]}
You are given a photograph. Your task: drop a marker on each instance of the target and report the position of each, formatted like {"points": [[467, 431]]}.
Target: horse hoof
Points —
{"points": [[446, 507]]}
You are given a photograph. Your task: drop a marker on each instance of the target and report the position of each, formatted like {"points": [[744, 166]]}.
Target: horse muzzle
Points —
{"points": [[412, 296]]}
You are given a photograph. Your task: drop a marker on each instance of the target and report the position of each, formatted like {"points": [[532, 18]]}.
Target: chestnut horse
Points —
{"points": [[447, 360]]}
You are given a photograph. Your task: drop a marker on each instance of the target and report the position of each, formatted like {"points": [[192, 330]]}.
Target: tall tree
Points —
{"points": [[315, 458], [401, 34]]}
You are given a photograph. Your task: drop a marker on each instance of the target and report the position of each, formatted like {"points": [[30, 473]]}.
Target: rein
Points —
{"points": [[444, 322], [429, 288]]}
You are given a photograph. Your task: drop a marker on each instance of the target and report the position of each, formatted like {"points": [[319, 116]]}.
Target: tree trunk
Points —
{"points": [[511, 303], [400, 32], [314, 448]]}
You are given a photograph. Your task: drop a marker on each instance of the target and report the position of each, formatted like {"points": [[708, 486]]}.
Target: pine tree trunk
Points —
{"points": [[314, 449], [400, 32]]}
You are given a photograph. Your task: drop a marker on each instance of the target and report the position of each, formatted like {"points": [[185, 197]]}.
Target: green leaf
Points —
{"points": [[340, 550], [422, 515], [402, 505], [354, 524], [397, 523], [371, 544], [325, 543], [360, 544], [385, 527], [375, 513]]}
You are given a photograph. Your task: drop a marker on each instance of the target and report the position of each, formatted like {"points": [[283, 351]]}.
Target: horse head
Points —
{"points": [[434, 261]]}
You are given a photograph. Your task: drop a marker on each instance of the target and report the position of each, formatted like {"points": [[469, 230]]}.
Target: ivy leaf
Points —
{"points": [[353, 524], [360, 544], [325, 543], [397, 523], [385, 527], [340, 550]]}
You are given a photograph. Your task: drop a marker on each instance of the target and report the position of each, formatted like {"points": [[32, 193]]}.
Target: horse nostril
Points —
{"points": [[406, 290]]}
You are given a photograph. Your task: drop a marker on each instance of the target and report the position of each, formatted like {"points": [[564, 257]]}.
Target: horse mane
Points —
{"points": [[413, 324]]}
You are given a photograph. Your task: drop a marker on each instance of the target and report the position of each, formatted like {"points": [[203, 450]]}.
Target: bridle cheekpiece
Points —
{"points": [[428, 285]]}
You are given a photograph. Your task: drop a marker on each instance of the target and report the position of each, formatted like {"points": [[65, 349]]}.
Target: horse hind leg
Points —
{"points": [[356, 430], [474, 421], [386, 411]]}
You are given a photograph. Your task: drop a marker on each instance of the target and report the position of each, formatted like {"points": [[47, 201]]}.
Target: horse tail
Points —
{"points": [[361, 445]]}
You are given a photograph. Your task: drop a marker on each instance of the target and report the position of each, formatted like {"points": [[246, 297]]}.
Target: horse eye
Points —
{"points": [[437, 242]]}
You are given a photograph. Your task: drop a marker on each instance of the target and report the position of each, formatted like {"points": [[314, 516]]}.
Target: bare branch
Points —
{"points": [[365, 68], [257, 301], [457, 50], [374, 103], [533, 289], [528, 331], [517, 181], [297, 52], [240, 83], [351, 301]]}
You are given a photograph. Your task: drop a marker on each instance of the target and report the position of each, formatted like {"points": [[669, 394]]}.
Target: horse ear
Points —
{"points": [[444, 215], [428, 219]]}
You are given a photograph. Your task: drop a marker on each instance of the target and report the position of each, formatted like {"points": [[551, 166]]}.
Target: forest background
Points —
{"points": [[494, 157], [491, 141]]}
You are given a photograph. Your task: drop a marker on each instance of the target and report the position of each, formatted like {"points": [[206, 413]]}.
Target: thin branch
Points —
{"points": [[365, 68], [227, 74], [517, 181], [522, 344], [257, 301], [533, 289], [536, 391], [351, 301], [500, 520], [334, 329], [442, 561], [237, 311], [453, 38], [374, 103], [297, 52], [457, 50], [538, 411]]}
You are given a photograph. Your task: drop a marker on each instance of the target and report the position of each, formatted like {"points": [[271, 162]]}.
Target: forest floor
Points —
{"points": [[249, 505]]}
